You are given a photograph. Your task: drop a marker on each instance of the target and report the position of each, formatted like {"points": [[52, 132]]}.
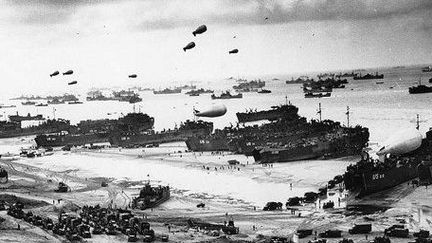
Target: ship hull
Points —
{"points": [[250, 117], [379, 181], [203, 144], [71, 140], [371, 77], [227, 97], [370, 182], [319, 95], [288, 112], [286, 155], [125, 140], [24, 132]]}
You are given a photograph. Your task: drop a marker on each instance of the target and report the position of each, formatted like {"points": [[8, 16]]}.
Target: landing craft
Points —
{"points": [[189, 46], [54, 74], [234, 51], [73, 82], [68, 72], [132, 76], [402, 142], [214, 111], [200, 30]]}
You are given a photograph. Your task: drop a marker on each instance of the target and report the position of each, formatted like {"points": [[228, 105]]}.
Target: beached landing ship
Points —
{"points": [[64, 138], [150, 197], [420, 89], [9, 129], [186, 130], [217, 141], [277, 112], [402, 158], [337, 142], [292, 133], [97, 131]]}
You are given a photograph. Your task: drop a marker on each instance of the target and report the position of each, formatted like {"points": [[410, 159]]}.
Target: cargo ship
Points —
{"points": [[56, 101], [316, 95], [150, 197], [197, 92], [299, 80], [28, 102], [251, 86], [186, 130], [227, 95], [98, 96], [61, 99], [308, 88], [399, 165], [168, 91], [368, 76], [127, 96], [276, 112], [324, 85], [293, 133]]}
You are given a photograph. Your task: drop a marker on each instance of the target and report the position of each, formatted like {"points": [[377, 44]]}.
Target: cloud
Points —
{"points": [[168, 14], [46, 12], [256, 12]]}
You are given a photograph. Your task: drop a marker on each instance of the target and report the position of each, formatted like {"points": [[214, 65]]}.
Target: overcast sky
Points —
{"points": [[104, 41]]}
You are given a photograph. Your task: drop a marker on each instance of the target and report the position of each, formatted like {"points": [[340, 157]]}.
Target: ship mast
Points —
{"points": [[319, 112], [348, 116]]}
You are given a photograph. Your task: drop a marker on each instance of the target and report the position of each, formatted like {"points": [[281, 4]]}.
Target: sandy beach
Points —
{"points": [[237, 192]]}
